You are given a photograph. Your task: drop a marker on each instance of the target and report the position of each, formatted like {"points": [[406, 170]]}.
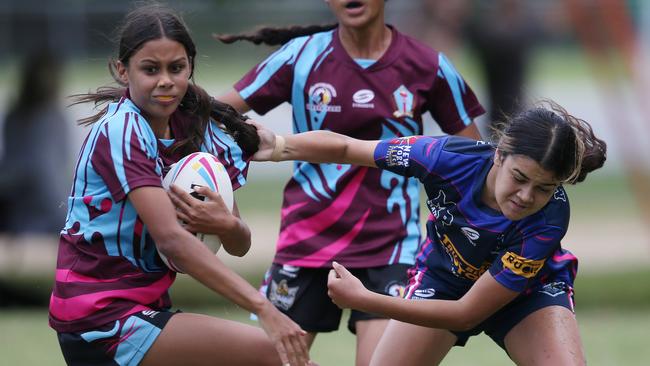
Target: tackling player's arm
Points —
{"points": [[316, 147], [484, 298]]}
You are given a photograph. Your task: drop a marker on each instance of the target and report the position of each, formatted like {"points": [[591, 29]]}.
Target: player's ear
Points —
{"points": [[498, 158], [121, 72]]}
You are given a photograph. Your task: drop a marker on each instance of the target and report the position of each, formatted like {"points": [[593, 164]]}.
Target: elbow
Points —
{"points": [[168, 243], [466, 319], [464, 324], [238, 249]]}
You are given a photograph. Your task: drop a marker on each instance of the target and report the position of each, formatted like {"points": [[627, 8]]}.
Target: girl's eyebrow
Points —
{"points": [[526, 177]]}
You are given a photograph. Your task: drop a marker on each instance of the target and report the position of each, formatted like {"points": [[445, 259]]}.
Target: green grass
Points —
{"points": [[610, 337]]}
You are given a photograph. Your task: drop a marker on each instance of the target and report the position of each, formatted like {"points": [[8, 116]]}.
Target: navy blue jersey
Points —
{"points": [[465, 237]]}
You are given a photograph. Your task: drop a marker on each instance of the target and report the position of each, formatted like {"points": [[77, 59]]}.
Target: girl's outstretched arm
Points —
{"points": [[315, 147], [482, 300]]}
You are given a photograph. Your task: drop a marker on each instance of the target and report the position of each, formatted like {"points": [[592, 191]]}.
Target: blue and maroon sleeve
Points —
{"points": [[452, 102], [411, 156], [233, 158], [269, 84], [126, 155]]}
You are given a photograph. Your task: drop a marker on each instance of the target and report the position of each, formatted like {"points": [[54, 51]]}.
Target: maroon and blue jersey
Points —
{"points": [[108, 266], [465, 237], [357, 216]]}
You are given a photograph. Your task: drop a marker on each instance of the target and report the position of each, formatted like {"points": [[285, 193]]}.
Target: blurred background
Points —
{"points": [[590, 56]]}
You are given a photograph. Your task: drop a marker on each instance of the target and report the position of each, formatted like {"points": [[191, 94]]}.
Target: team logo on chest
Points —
{"points": [[405, 101], [441, 208], [362, 98], [320, 98]]}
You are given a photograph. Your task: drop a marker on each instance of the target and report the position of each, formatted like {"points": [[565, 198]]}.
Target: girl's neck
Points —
{"points": [[368, 43], [160, 128]]}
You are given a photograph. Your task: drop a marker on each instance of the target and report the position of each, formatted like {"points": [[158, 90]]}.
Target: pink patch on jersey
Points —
{"points": [[287, 210], [326, 254], [564, 257], [304, 229], [79, 307], [67, 275]]}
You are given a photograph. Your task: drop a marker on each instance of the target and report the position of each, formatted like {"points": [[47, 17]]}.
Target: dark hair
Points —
{"points": [[274, 36], [151, 22], [558, 141]]}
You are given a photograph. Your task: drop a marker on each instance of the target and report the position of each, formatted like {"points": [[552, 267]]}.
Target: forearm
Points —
{"points": [[201, 264], [326, 147], [443, 314], [237, 240]]}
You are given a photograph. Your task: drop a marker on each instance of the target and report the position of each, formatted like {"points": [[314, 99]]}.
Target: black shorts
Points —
{"points": [[301, 293], [500, 323], [122, 342]]}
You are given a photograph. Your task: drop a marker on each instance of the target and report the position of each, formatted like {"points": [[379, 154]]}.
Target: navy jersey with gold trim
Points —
{"points": [[465, 237]]}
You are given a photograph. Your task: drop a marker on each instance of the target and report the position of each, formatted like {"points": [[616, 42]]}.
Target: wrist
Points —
{"points": [[278, 148]]}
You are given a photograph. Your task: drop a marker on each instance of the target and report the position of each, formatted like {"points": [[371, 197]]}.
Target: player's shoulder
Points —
{"points": [[414, 48], [555, 214], [464, 145]]}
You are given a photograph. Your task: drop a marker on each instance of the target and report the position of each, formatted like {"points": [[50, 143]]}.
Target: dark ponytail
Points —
{"points": [[197, 102], [273, 36]]}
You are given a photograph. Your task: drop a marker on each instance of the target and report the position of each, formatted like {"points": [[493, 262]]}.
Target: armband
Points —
{"points": [[278, 148]]}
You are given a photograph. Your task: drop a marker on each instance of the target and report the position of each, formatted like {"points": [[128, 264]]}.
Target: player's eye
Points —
{"points": [[177, 68], [150, 70], [518, 179]]}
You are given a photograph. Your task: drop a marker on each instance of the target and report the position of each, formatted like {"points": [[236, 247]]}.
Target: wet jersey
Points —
{"points": [[357, 216], [465, 237], [108, 266]]}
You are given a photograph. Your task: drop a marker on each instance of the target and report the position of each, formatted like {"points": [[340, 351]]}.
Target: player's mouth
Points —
{"points": [[165, 99], [354, 7]]}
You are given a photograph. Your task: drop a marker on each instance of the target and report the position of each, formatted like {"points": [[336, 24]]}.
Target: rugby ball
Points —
{"points": [[200, 169]]}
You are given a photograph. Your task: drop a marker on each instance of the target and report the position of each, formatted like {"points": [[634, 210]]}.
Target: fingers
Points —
{"points": [[339, 269], [181, 199]]}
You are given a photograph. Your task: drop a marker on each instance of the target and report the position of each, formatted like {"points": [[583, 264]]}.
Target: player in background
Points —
{"points": [[110, 303], [362, 78], [492, 260]]}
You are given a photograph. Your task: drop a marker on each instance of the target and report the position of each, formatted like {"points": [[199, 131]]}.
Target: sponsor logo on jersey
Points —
{"points": [[281, 295], [289, 270], [459, 266], [555, 288], [559, 194], [521, 266], [320, 97], [150, 313], [395, 289], [398, 155], [440, 208], [404, 100], [471, 234], [362, 98], [424, 293]]}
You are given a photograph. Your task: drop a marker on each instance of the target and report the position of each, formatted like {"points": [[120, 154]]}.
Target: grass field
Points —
{"points": [[610, 338]]}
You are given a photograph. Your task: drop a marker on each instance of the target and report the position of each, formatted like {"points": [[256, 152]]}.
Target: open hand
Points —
{"points": [[287, 336]]}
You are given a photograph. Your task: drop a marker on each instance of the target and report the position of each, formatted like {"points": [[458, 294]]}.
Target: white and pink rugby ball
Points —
{"points": [[200, 169]]}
